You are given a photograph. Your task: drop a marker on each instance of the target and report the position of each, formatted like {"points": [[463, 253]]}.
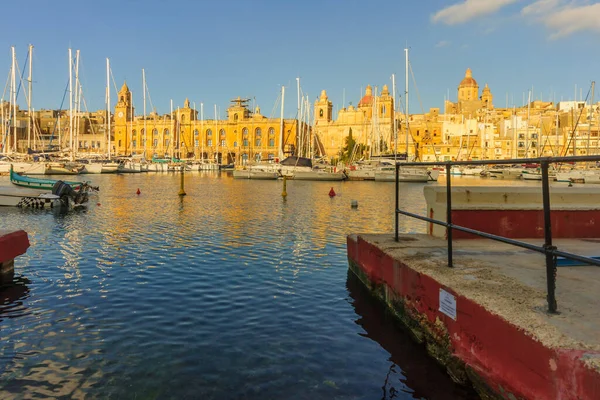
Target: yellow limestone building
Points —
{"points": [[371, 122], [243, 137]]}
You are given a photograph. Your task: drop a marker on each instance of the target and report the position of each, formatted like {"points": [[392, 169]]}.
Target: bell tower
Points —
{"points": [[123, 115], [323, 108]]}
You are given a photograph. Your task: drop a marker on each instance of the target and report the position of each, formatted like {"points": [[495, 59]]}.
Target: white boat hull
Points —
{"points": [[250, 174], [318, 176], [27, 198]]}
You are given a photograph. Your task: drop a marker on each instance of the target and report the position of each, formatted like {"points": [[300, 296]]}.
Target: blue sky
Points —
{"points": [[213, 51]]}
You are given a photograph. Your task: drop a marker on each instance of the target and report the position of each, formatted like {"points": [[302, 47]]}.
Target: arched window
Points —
{"points": [[320, 112], [133, 132], [245, 132], [166, 132], [195, 132], [222, 133], [154, 132], [182, 117], [143, 132], [257, 132], [235, 117], [208, 133], [271, 132]]}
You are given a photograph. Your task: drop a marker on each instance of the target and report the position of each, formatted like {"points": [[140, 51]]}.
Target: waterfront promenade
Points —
{"points": [[497, 335]]}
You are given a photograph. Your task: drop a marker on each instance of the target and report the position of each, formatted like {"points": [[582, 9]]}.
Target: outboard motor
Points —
{"points": [[64, 191]]}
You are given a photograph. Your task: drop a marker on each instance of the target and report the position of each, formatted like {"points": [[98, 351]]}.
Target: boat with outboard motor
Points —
{"points": [[61, 195]]}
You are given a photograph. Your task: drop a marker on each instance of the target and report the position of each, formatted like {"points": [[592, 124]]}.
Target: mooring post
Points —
{"points": [[550, 257], [12, 244], [181, 189]]}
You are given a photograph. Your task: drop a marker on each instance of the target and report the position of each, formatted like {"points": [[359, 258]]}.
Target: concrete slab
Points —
{"points": [[511, 282]]}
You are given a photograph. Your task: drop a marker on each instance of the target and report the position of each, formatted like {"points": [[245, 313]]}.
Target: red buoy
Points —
{"points": [[138, 191], [332, 192]]}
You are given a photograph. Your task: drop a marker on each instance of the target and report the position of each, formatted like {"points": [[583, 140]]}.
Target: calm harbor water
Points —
{"points": [[227, 293]]}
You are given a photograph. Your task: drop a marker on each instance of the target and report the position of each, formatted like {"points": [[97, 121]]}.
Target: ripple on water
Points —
{"points": [[230, 292]]}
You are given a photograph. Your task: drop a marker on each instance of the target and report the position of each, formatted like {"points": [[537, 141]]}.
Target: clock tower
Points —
{"points": [[123, 115]]}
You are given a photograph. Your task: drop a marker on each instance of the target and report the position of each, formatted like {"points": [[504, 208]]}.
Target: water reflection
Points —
{"points": [[411, 370]]}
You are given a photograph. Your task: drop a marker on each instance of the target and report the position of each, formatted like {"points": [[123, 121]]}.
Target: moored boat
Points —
{"points": [[14, 196], [38, 183]]}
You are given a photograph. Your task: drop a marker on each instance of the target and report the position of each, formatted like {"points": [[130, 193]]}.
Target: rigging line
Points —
{"points": [[576, 124], [59, 110], [422, 110]]}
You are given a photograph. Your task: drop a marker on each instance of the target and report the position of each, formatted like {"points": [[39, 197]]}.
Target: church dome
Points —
{"points": [[367, 98], [468, 81]]}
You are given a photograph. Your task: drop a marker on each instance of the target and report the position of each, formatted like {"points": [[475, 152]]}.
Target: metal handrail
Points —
{"points": [[548, 249]]}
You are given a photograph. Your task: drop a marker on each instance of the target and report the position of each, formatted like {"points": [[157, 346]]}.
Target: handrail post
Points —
{"points": [[449, 212], [397, 200], [550, 257]]}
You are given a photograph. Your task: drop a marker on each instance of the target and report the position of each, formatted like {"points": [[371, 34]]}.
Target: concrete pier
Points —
{"points": [[485, 319], [12, 244]]}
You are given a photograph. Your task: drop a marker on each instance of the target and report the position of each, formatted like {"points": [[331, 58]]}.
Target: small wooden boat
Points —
{"points": [[38, 183], [27, 198]]}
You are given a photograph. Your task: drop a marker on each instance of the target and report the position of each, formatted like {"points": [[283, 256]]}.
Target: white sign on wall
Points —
{"points": [[448, 304]]}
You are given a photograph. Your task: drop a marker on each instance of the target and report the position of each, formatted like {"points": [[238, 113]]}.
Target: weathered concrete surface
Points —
{"points": [[503, 340]]}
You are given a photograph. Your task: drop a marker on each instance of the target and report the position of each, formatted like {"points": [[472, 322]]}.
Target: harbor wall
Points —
{"points": [[516, 212], [12, 244], [476, 346]]}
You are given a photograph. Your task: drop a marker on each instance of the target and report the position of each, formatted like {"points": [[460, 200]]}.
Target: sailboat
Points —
{"points": [[387, 173]]}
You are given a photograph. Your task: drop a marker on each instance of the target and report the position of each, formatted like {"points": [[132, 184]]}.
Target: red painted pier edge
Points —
{"points": [[12, 244], [479, 348]]}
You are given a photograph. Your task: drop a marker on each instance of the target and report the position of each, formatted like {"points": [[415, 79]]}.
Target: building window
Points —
{"points": [[119, 143], [257, 132], [195, 132], [245, 143], [234, 144], [166, 132], [154, 132], [208, 133], [182, 118], [222, 133], [321, 113], [245, 132], [272, 142], [235, 117], [271, 132], [144, 142], [166, 143], [209, 142], [155, 143], [196, 142], [257, 143], [223, 144], [134, 143]]}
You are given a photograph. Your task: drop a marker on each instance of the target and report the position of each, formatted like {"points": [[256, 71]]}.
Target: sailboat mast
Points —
{"points": [[281, 126], [395, 122], [527, 125], [108, 104], [406, 99], [77, 104], [144, 96], [217, 136], [298, 138], [29, 98], [202, 129], [71, 103], [587, 153], [14, 97], [172, 129]]}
